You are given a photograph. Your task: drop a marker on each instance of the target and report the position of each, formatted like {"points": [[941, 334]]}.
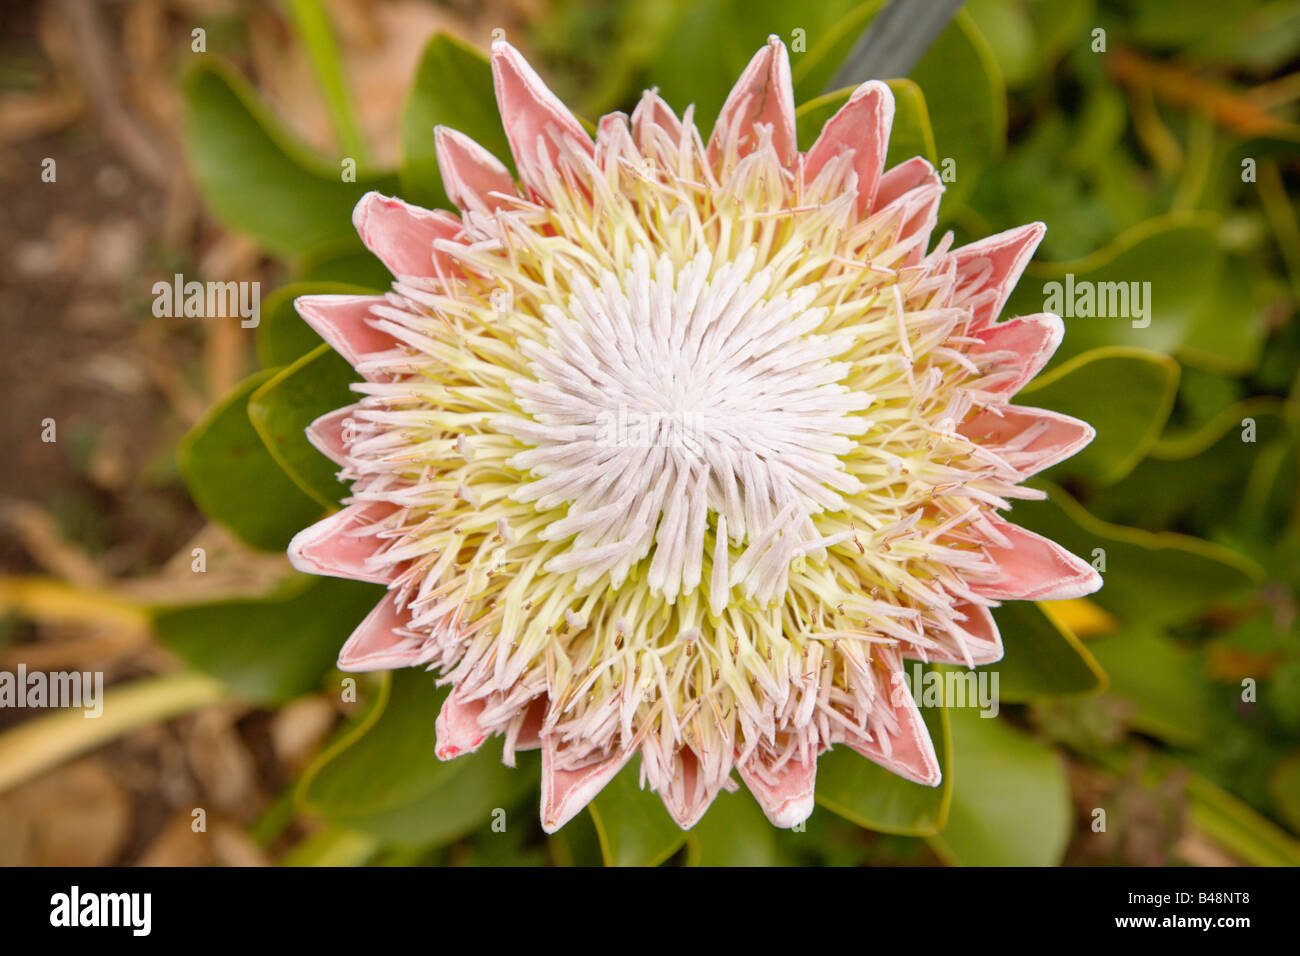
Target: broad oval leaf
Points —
{"points": [[1043, 658], [733, 833], [1202, 477], [968, 110], [269, 650], [812, 69], [851, 786], [1146, 289], [283, 407], [912, 133], [1010, 798], [1008, 29], [634, 827], [1228, 331], [256, 177], [1168, 694], [576, 843], [1089, 386], [234, 479], [384, 779], [344, 262], [1149, 577]]}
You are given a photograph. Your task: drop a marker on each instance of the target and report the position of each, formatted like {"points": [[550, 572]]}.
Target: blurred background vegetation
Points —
{"points": [[1156, 138]]}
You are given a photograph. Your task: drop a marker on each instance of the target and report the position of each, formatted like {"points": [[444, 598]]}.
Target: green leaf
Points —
{"points": [[1008, 28], [601, 54], [1087, 387], [714, 40], [967, 101], [453, 87], [1269, 501], [234, 479], [1046, 176], [1059, 24], [344, 262], [812, 70], [1257, 36], [1173, 264], [256, 177], [383, 779], [311, 23], [576, 843], [1168, 695], [733, 833], [1027, 37], [1197, 477], [1010, 799], [1227, 427], [283, 407], [1043, 658], [271, 649], [1149, 577], [1228, 331], [851, 786], [634, 827], [282, 335]]}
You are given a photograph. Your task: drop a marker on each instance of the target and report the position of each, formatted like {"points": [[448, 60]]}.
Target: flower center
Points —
{"points": [[670, 408]]}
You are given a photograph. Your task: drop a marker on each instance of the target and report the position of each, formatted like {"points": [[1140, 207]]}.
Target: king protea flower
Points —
{"points": [[681, 448]]}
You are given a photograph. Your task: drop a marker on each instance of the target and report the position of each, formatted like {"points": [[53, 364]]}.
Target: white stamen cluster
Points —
{"points": [[664, 404]]}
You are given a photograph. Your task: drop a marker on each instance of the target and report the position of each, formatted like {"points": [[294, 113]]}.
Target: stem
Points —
{"points": [[313, 28], [44, 742], [894, 41]]}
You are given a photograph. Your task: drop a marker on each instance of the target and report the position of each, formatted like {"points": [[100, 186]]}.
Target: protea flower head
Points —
{"points": [[678, 448]]}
